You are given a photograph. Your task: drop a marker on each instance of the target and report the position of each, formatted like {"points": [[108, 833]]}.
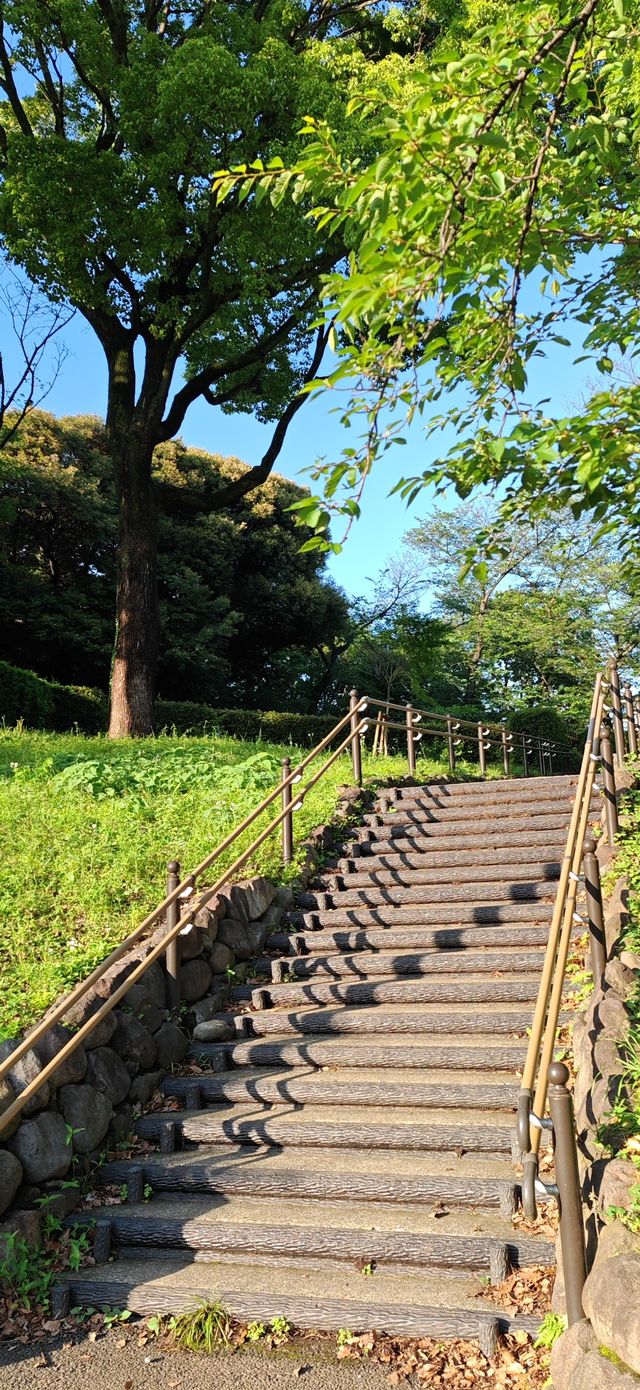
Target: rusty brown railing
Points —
{"points": [[183, 890], [541, 1075]]}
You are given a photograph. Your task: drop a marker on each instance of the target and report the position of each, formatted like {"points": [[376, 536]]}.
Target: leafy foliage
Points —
{"points": [[504, 203], [241, 610]]}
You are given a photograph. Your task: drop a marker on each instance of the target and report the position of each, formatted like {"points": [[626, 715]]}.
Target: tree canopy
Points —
{"points": [[114, 119], [504, 204], [242, 611]]}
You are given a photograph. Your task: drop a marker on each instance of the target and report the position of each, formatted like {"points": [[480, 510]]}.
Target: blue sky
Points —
{"points": [[81, 389]]}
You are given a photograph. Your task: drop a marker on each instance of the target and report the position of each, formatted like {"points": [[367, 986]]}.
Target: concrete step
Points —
{"points": [[439, 857], [442, 989], [369, 964], [406, 939], [301, 1086], [426, 875], [399, 1238], [332, 1176], [326, 1300], [482, 841], [425, 814], [477, 830], [478, 1053], [411, 915], [503, 788], [341, 1127], [511, 1019], [430, 893]]}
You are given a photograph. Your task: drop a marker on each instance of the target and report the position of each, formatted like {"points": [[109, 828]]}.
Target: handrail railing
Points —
{"points": [[543, 1078], [178, 920]]}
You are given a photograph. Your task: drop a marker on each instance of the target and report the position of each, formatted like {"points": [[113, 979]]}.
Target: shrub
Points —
{"points": [[42, 704], [274, 726]]}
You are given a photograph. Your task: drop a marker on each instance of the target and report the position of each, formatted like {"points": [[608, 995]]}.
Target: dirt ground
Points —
{"points": [[115, 1361]]}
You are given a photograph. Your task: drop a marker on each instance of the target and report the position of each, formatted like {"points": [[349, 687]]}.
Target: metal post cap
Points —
{"points": [[558, 1074], [173, 866], [286, 762], [590, 844]]}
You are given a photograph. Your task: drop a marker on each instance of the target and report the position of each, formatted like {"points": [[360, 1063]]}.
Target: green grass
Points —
{"points": [[88, 827]]}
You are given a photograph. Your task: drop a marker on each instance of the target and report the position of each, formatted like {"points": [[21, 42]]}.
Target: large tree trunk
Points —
{"points": [[137, 613]]}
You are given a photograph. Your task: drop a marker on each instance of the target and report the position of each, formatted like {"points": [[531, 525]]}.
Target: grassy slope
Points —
{"points": [[88, 827]]}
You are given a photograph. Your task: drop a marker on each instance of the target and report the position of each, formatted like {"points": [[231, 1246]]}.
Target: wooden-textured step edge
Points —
{"points": [[138, 1289], [398, 894], [433, 990], [405, 939], [482, 790], [425, 875], [325, 1090], [162, 1227], [381, 1021], [220, 1126], [446, 914], [460, 813], [441, 858], [510, 830], [365, 1052], [184, 1173], [365, 964]]}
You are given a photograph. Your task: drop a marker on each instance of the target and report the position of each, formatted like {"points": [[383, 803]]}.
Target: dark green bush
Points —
{"points": [[43, 704], [275, 726]]}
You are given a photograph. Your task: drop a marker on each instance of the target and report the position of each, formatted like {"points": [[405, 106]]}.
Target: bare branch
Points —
{"points": [[35, 326]]}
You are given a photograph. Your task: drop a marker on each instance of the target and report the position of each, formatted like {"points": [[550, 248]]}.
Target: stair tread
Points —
{"points": [[346, 1294], [344, 1076], [475, 1227], [408, 1116], [350, 1163]]}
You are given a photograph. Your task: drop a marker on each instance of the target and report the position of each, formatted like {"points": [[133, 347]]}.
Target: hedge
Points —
{"points": [[43, 704]]}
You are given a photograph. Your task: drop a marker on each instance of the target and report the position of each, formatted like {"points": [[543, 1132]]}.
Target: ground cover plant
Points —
{"points": [[89, 826], [621, 1134]]}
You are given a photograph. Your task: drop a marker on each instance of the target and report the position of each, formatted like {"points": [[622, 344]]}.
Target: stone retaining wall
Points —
{"points": [[66, 1126], [602, 1352]]}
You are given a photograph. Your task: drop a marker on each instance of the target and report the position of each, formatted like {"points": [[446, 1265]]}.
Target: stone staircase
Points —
{"points": [[347, 1161]]}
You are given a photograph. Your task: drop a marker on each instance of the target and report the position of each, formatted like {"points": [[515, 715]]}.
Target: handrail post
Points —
{"points": [[287, 824], [616, 711], [356, 751], [574, 1262], [172, 954], [632, 735], [525, 760], [608, 782], [594, 909], [481, 749], [451, 744], [411, 747], [540, 756], [506, 760]]}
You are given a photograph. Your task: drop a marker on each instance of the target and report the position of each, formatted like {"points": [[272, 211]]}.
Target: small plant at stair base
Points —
{"points": [[552, 1327], [255, 1330], [206, 1329], [114, 1315], [345, 1338], [27, 1273], [629, 1216], [280, 1330], [367, 1269]]}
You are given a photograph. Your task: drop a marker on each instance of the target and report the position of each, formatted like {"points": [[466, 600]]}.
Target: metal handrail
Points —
{"points": [[547, 1010], [533, 739], [356, 719], [184, 920]]}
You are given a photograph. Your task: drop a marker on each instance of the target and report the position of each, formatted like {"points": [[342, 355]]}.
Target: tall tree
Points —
{"points": [[241, 609], [116, 117]]}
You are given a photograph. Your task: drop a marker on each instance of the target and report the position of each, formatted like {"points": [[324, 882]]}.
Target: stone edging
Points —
{"points": [[602, 1352], [100, 1089]]}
